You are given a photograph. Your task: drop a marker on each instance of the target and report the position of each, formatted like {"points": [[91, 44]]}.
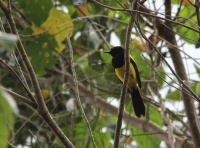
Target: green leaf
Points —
{"points": [[175, 95], [96, 62], [113, 3], [107, 58], [162, 74], [8, 41], [189, 35], [94, 9], [82, 137], [198, 89], [7, 106], [197, 69], [40, 50], [122, 33], [142, 65], [145, 139], [36, 10], [155, 116], [175, 2]]}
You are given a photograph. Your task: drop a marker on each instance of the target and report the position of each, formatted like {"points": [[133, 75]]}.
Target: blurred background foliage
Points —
{"points": [[43, 28]]}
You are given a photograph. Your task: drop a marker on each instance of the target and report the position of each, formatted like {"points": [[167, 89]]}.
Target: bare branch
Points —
{"points": [[18, 78], [180, 69], [125, 84], [77, 90], [21, 98]]}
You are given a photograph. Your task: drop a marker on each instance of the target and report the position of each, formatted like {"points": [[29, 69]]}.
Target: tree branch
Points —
{"points": [[20, 81], [77, 90], [125, 83], [143, 10], [180, 69], [21, 98]]}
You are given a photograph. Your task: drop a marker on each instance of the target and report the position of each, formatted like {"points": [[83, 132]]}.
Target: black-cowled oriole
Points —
{"points": [[134, 79]]}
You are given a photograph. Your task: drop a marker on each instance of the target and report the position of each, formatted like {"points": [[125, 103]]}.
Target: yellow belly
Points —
{"points": [[132, 83]]}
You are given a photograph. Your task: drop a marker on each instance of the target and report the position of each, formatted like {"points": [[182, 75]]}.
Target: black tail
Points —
{"points": [[138, 104]]}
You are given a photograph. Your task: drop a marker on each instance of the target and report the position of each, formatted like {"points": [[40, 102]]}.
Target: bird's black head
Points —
{"points": [[116, 50]]}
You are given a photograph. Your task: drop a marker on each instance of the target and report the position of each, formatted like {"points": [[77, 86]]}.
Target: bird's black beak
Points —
{"points": [[107, 51]]}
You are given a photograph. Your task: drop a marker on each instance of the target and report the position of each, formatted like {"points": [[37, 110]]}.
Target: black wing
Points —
{"points": [[136, 71]]}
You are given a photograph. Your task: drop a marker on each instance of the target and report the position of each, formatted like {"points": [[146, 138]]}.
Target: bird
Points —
{"points": [[134, 82]]}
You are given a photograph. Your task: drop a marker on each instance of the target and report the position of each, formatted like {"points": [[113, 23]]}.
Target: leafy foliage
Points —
{"points": [[189, 36], [145, 139], [37, 11], [40, 52], [7, 106], [43, 27]]}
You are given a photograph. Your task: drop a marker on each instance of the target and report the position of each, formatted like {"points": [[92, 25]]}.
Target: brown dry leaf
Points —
{"points": [[185, 2], [82, 10], [154, 39], [128, 139]]}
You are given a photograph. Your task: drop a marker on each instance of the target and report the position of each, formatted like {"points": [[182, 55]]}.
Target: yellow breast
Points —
{"points": [[132, 83]]}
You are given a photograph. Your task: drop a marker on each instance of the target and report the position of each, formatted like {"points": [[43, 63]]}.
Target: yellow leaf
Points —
{"points": [[101, 112], [45, 93], [57, 24]]}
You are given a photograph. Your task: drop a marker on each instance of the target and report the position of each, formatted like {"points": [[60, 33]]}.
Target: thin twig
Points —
{"points": [[187, 18], [14, 55], [154, 47], [77, 90], [179, 9], [22, 126], [144, 13], [21, 98], [19, 79], [95, 26], [9, 5], [182, 90], [74, 20], [139, 123], [36, 139], [197, 3], [20, 71]]}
